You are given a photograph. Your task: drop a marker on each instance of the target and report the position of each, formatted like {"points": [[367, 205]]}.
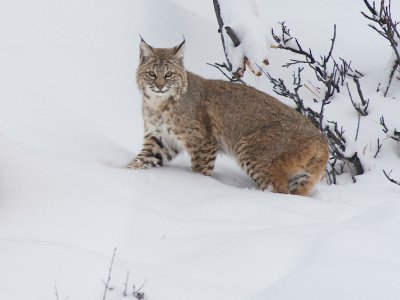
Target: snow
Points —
{"points": [[70, 121]]}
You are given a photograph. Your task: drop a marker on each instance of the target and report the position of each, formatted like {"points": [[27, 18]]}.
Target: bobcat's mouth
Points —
{"points": [[159, 91]]}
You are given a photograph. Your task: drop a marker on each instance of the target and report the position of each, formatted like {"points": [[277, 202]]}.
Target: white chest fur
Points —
{"points": [[159, 123]]}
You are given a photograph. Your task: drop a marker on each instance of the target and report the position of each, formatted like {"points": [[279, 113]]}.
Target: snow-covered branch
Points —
{"points": [[390, 132], [384, 25], [360, 106], [243, 36]]}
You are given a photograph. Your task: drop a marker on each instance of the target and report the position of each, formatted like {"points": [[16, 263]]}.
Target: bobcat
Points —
{"points": [[278, 148]]}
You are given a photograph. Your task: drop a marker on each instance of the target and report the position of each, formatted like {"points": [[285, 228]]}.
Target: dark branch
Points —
{"points": [[361, 108], [378, 149], [220, 68], [220, 21], [390, 178], [233, 36], [332, 75], [393, 133]]}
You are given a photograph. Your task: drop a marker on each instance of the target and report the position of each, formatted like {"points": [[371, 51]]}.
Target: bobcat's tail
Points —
{"points": [[298, 181]]}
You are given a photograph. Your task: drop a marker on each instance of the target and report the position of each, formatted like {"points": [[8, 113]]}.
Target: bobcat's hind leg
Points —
{"points": [[298, 172], [295, 172], [290, 175], [270, 178], [252, 155], [275, 177], [203, 157]]}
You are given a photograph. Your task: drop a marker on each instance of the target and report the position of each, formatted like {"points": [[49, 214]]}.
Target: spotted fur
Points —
{"points": [[277, 147]]}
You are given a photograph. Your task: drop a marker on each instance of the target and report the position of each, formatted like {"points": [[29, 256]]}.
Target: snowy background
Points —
{"points": [[70, 120]]}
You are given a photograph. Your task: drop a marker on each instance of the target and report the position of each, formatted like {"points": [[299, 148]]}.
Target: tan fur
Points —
{"points": [[278, 148]]}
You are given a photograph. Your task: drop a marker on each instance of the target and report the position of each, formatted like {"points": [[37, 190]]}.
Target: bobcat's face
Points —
{"points": [[161, 73]]}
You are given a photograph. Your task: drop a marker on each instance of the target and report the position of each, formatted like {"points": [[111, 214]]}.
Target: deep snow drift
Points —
{"points": [[70, 121]]}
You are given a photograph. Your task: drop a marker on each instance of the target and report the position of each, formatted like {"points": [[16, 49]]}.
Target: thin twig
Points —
{"points": [[125, 293], [378, 149], [311, 91], [137, 292], [358, 126], [56, 292], [219, 68], [107, 284], [390, 178], [393, 133]]}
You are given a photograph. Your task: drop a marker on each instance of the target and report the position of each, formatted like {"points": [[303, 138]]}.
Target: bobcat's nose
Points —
{"points": [[160, 86]]}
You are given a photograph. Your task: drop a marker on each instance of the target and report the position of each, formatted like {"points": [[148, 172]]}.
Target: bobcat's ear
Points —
{"points": [[179, 50], [145, 50]]}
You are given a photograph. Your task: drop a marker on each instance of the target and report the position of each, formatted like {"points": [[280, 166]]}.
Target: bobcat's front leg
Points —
{"points": [[203, 157], [153, 154]]}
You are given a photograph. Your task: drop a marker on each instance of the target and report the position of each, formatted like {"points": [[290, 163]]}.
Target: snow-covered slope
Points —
{"points": [[70, 121]]}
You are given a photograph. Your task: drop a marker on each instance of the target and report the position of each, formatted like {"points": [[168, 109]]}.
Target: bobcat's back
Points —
{"points": [[236, 110]]}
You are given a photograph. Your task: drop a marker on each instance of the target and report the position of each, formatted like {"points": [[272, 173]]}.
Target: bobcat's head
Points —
{"points": [[161, 73]]}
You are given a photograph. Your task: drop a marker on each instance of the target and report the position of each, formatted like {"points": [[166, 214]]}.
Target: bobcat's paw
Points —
{"points": [[144, 163]]}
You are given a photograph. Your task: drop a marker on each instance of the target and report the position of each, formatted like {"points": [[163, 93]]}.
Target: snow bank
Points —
{"points": [[70, 121]]}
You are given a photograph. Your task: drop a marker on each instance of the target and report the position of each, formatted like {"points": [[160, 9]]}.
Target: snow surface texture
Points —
{"points": [[70, 121]]}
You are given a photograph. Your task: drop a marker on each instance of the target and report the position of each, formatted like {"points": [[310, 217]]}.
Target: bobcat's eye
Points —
{"points": [[168, 74], [152, 74]]}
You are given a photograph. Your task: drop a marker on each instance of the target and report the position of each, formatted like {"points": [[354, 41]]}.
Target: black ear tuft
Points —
{"points": [[145, 49], [180, 49]]}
